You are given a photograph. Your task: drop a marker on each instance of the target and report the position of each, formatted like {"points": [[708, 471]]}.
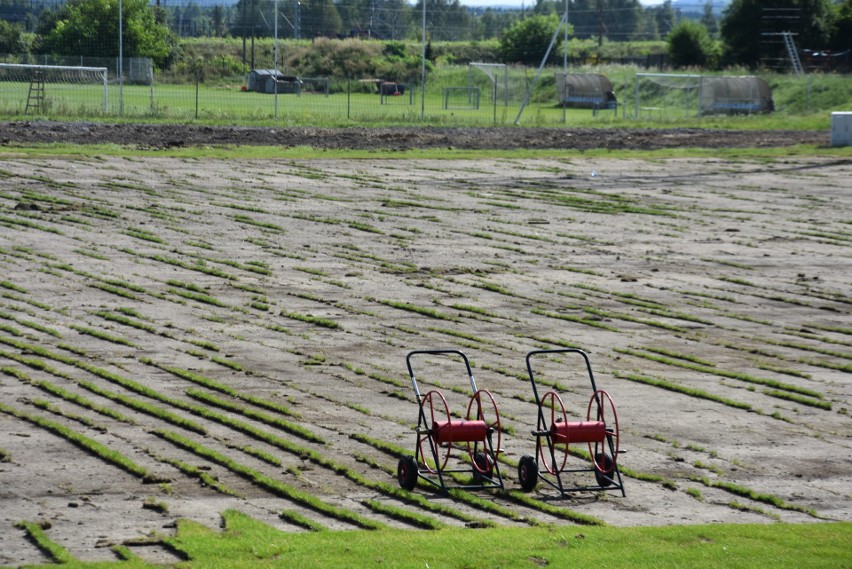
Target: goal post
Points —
{"points": [[54, 87], [498, 73], [659, 93]]}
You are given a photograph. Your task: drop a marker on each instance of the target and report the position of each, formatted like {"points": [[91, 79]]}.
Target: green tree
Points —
{"points": [[689, 44], [708, 18], [320, 18], [90, 28], [841, 38], [528, 39], [254, 18], [492, 22], [446, 20], [11, 38], [666, 17], [217, 21], [745, 22]]}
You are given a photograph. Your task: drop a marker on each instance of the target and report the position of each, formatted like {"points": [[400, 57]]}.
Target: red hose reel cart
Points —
{"points": [[477, 436], [554, 433]]}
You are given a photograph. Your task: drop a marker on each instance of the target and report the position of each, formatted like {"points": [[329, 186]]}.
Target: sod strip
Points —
{"points": [[752, 495], [35, 533], [146, 408], [57, 391], [656, 382], [301, 521], [275, 486], [563, 513], [285, 426], [406, 516], [222, 388], [722, 373], [85, 443], [192, 471]]}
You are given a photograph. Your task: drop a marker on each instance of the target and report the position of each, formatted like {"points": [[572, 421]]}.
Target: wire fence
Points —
{"points": [[463, 95]]}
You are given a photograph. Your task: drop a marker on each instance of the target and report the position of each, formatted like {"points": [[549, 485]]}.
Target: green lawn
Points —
{"points": [[248, 543]]}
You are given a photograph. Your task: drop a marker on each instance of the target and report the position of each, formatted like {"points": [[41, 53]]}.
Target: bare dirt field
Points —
{"points": [[179, 337]]}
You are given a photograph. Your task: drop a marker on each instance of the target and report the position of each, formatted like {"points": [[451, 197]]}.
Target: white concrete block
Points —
{"points": [[841, 129]]}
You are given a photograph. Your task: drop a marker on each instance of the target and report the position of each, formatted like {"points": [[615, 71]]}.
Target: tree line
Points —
{"points": [[746, 32]]}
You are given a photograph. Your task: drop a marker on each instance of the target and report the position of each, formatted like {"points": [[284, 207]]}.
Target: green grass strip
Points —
{"points": [[578, 319], [12, 286], [301, 521], [204, 298], [797, 399], [656, 382], [127, 321], [276, 422], [53, 389], [146, 408], [30, 324], [423, 311], [722, 373], [404, 515], [752, 495], [222, 388], [628, 318], [562, 513], [35, 533], [50, 407], [270, 484], [85, 443], [192, 471], [101, 335], [316, 320], [28, 224]]}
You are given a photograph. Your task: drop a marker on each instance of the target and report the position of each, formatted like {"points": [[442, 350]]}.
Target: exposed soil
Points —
{"points": [[402, 138], [305, 284]]}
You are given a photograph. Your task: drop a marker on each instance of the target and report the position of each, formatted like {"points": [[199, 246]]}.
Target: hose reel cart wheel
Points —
{"points": [[604, 452], [483, 407]]}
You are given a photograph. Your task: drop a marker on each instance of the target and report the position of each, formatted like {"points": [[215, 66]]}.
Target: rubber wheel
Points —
{"points": [[604, 478], [406, 473], [527, 473], [483, 467]]}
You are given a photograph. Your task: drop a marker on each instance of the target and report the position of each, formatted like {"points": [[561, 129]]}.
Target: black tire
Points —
{"points": [[527, 473], [604, 479], [483, 467], [406, 472]]}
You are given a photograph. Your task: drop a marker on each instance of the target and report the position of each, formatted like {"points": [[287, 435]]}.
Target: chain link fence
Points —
{"points": [[58, 87]]}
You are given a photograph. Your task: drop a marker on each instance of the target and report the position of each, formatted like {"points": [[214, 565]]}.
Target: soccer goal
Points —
{"points": [[498, 75], [52, 89], [667, 94]]}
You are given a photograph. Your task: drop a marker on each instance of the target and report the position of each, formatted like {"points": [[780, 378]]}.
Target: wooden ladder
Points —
{"points": [[35, 98]]}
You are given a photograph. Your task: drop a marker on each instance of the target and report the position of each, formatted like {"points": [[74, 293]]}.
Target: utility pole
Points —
{"points": [[600, 22]]}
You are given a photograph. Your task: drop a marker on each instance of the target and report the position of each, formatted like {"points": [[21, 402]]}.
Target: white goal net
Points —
{"points": [[498, 84], [672, 95], [666, 94], [52, 89]]}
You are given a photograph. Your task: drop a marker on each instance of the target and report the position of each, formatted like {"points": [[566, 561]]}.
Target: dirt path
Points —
{"points": [[402, 138], [713, 299]]}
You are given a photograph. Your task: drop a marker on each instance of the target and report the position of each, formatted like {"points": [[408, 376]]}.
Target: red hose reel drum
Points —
{"points": [[593, 431], [459, 431], [578, 432]]}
